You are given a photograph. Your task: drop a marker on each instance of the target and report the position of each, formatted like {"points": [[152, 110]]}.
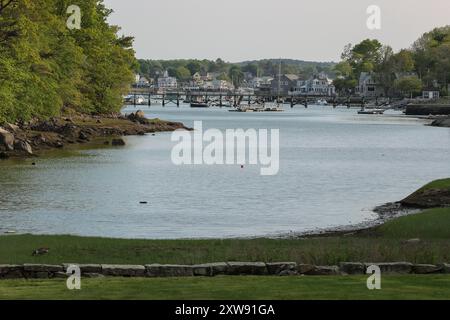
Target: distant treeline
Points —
{"points": [[425, 65], [45, 66], [183, 70]]}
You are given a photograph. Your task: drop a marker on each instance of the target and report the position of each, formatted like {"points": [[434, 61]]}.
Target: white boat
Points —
{"points": [[321, 102]]}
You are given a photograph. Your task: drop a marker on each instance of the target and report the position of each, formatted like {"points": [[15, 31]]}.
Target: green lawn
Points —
{"points": [[239, 288], [437, 184]]}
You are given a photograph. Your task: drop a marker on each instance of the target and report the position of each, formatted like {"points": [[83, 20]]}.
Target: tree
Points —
{"points": [[183, 73], [236, 75], [408, 85]]}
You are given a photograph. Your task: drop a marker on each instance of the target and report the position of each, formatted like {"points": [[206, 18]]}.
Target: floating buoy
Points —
{"points": [[242, 166], [33, 164]]}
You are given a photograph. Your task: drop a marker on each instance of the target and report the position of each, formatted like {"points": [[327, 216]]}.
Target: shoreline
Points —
{"points": [[37, 137]]}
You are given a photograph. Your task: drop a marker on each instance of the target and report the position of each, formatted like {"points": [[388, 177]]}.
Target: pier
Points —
{"points": [[237, 99]]}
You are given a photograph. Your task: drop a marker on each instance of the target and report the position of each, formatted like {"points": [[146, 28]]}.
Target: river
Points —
{"points": [[335, 166]]}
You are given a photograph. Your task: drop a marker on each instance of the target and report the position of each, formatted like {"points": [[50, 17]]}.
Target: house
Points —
{"points": [[167, 82], [141, 82], [259, 82], [282, 84], [368, 87], [318, 85], [431, 94]]}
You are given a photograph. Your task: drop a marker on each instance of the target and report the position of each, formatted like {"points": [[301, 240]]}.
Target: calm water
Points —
{"points": [[335, 166]]}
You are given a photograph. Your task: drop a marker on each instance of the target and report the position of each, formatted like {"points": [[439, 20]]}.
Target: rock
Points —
{"points": [[118, 142], [6, 140], [217, 268], [23, 146], [85, 268], [12, 127], [394, 267], [28, 267], [204, 270], [10, 271], [138, 116], [83, 136], [324, 271], [286, 273], [4, 155], [426, 268], [352, 267], [93, 275], [123, 270], [445, 268], [278, 267], [247, 268], [304, 268], [159, 270]]}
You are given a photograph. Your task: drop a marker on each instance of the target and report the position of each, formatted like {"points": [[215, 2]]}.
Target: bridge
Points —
{"points": [[236, 99]]}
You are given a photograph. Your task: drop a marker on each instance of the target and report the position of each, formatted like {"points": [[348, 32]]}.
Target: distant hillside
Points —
{"points": [[184, 69]]}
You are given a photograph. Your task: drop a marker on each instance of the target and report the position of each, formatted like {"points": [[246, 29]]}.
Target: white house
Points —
{"points": [[318, 85], [167, 82], [431, 94]]}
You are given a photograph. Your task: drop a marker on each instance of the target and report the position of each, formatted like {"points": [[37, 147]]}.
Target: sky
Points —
{"points": [[240, 30]]}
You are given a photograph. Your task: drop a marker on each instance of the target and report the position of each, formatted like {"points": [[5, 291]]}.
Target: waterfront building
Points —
{"points": [[368, 86], [431, 94], [284, 83], [318, 85], [166, 82]]}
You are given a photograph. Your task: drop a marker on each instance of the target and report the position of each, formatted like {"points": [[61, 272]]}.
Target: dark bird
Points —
{"points": [[40, 251]]}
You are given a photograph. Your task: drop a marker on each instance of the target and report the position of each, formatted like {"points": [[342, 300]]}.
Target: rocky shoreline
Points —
{"points": [[30, 139]]}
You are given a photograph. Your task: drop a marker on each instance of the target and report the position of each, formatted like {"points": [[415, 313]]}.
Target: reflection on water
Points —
{"points": [[335, 166]]}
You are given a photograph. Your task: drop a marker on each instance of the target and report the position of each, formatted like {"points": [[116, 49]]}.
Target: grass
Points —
{"points": [[383, 244], [430, 224], [437, 184], [232, 288]]}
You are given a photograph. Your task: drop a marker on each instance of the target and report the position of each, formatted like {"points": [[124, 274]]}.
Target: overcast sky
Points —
{"points": [[238, 30]]}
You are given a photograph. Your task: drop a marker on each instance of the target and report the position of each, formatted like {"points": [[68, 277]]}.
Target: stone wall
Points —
{"points": [[43, 271]]}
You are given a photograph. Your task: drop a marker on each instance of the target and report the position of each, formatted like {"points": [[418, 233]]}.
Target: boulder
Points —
{"points": [[426, 268], [247, 268], [138, 116], [304, 268], [393, 267], [12, 127], [445, 268], [8, 271], [123, 270], [204, 270], [352, 267], [3, 155], [276, 268], [118, 142], [6, 140], [210, 269], [323, 271], [160, 270], [23, 146]]}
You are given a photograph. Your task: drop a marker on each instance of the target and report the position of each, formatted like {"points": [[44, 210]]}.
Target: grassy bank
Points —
{"points": [[231, 288], [383, 244]]}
